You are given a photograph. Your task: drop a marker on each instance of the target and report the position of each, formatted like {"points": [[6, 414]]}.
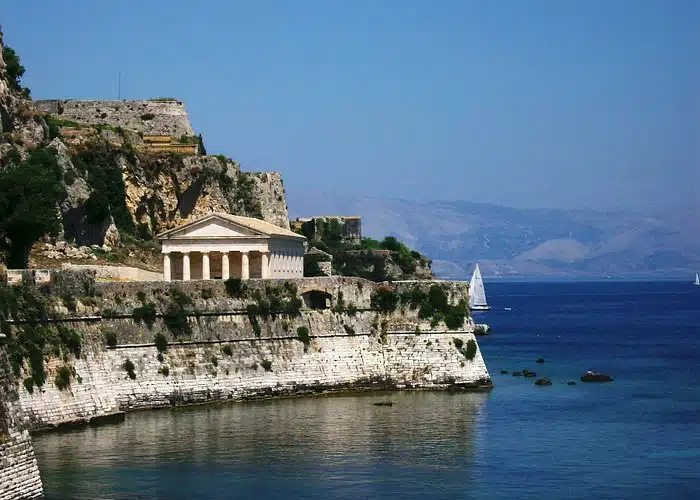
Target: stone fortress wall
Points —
{"points": [[155, 117], [19, 471], [350, 226], [224, 360]]}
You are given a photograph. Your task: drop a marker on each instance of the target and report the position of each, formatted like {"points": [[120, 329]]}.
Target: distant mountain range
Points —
{"points": [[525, 244]]}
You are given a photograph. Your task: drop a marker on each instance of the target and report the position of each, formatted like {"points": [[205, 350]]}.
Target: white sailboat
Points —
{"points": [[697, 279], [477, 294]]}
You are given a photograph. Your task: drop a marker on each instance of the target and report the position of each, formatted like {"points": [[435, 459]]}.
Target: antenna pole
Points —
{"points": [[119, 86]]}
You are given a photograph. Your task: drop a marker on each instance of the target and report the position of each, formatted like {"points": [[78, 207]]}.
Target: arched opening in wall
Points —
{"points": [[317, 299]]}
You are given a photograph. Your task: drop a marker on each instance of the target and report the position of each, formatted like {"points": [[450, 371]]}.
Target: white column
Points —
{"points": [[245, 271], [225, 270], [264, 266], [166, 267], [206, 274], [185, 266]]}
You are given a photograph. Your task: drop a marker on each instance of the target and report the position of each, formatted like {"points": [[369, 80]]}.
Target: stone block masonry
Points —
{"points": [[224, 359], [19, 471], [166, 117]]}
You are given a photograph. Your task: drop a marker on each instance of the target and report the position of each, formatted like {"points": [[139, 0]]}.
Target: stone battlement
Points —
{"points": [[153, 117]]}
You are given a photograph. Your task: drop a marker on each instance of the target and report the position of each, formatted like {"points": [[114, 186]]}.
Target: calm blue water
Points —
{"points": [[637, 437]]}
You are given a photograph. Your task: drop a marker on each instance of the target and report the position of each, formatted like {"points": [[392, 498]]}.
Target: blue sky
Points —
{"points": [[561, 104]]}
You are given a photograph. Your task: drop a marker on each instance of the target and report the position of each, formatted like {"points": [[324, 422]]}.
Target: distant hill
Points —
{"points": [[515, 243]]}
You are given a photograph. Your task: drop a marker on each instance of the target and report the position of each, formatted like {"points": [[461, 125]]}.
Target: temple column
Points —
{"points": [[245, 270], [264, 266], [185, 266], [206, 273], [225, 271], [166, 267]]}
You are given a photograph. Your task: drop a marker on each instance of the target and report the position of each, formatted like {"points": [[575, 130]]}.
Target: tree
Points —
{"points": [[13, 68], [29, 194]]}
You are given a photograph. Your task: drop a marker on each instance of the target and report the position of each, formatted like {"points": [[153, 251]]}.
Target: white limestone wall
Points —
{"points": [[204, 372], [19, 470]]}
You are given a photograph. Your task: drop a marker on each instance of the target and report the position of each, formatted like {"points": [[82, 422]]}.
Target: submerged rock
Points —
{"points": [[529, 374], [504, 372], [596, 377], [540, 360], [571, 382], [384, 403], [517, 374], [543, 381]]}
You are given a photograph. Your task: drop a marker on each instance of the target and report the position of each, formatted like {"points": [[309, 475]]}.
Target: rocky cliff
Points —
{"points": [[127, 169]]}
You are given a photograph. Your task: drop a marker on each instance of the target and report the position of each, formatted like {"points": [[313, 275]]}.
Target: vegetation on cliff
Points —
{"points": [[29, 193], [13, 69], [384, 260], [433, 304]]}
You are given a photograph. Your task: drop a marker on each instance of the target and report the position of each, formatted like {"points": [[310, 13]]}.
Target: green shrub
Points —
{"points": [[214, 361], [129, 368], [349, 329], [161, 342], [470, 351], [141, 296], [351, 309], [29, 194], [62, 379], [175, 315], [254, 322], [29, 385], [147, 116], [111, 339], [235, 287], [70, 338], [160, 357], [227, 350], [384, 299], [13, 69], [164, 370], [458, 342], [206, 293], [145, 314], [303, 335], [266, 364]]}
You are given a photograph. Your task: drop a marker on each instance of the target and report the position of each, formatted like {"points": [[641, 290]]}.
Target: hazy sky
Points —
{"points": [[528, 103]]}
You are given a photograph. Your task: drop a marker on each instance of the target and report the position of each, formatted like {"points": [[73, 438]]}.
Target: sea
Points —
{"points": [[637, 437]]}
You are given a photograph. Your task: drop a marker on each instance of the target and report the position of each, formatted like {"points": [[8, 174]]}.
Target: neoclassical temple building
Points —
{"points": [[222, 246]]}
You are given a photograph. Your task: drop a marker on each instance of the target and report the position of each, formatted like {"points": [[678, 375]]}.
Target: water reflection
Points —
{"points": [[342, 447]]}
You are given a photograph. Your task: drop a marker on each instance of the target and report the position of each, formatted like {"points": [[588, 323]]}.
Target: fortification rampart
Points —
{"points": [[19, 471], [231, 343], [166, 117]]}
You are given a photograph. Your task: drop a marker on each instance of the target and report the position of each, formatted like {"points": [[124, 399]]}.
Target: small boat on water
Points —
{"points": [[697, 279], [477, 294]]}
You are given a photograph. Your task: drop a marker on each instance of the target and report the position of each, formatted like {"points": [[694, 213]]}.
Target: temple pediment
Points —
{"points": [[218, 226]]}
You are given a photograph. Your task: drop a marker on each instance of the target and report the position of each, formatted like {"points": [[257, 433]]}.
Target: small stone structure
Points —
{"points": [[155, 117], [220, 246], [323, 260], [19, 470], [349, 226]]}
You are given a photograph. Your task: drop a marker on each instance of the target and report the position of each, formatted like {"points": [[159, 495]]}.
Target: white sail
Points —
{"points": [[697, 279], [477, 294]]}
